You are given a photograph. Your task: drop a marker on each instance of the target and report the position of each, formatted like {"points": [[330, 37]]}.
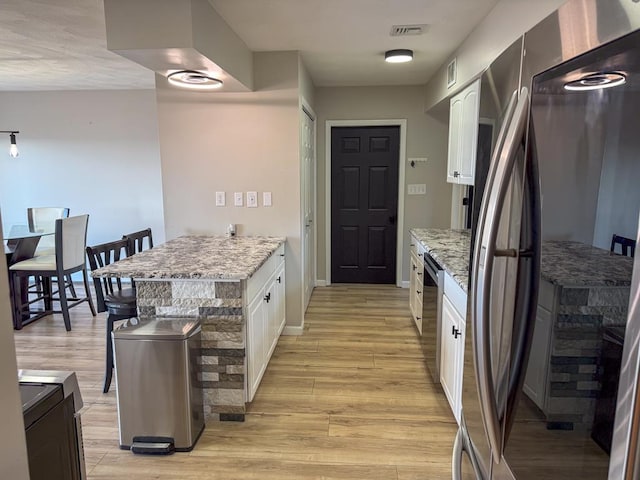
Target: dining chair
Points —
{"points": [[136, 241], [627, 245], [69, 257], [112, 297], [44, 218]]}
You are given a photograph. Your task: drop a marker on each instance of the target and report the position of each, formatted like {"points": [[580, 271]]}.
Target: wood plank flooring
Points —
{"points": [[349, 399]]}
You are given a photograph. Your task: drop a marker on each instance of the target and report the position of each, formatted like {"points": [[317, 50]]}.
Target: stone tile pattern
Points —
{"points": [[450, 248], [573, 383], [197, 256], [218, 306]]}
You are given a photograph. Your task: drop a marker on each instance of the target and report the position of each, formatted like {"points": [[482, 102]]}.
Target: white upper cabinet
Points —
{"points": [[463, 134]]}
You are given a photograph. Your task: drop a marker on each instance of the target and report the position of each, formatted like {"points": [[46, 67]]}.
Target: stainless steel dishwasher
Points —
{"points": [[432, 314], [160, 406]]}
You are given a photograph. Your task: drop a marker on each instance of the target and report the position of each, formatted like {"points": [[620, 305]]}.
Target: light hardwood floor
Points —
{"points": [[349, 399]]}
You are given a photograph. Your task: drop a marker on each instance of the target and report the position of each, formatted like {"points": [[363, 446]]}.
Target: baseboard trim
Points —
{"points": [[293, 330], [321, 283], [405, 284]]}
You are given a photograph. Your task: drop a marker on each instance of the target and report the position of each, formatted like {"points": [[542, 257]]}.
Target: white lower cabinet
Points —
{"points": [[452, 345], [265, 318]]}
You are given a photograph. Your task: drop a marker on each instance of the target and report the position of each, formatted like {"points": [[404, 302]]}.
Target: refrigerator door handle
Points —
{"points": [[485, 251], [528, 282]]}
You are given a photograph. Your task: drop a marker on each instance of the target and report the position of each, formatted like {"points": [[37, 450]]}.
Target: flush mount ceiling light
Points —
{"points": [[596, 81], [13, 147], [401, 55], [194, 80]]}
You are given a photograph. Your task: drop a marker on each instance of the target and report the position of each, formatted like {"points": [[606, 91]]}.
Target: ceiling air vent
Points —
{"points": [[402, 30]]}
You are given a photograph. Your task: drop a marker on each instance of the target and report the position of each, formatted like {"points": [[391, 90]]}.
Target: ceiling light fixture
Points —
{"points": [[400, 55], [13, 147], [194, 80], [596, 81]]}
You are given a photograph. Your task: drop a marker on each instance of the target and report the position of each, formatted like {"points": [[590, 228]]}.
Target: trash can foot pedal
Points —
{"points": [[153, 445]]}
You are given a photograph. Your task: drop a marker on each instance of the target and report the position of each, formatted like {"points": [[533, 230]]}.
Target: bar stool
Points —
{"points": [[117, 300]]}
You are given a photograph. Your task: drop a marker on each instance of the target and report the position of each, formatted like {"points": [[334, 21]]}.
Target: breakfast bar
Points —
{"points": [[235, 287]]}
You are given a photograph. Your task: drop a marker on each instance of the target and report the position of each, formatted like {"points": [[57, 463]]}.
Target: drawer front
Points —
{"points": [[416, 247]]}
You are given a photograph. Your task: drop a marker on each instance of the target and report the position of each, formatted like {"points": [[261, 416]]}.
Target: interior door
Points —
{"points": [[364, 204], [308, 204]]}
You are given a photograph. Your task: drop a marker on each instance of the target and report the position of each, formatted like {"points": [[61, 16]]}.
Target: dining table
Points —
{"points": [[20, 243]]}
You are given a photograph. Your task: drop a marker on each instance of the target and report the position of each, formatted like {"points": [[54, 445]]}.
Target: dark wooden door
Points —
{"points": [[364, 204]]}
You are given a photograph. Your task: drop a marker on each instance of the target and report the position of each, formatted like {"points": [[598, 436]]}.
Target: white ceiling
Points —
{"points": [[61, 44]]}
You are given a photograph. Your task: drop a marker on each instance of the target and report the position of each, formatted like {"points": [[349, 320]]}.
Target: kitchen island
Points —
{"points": [[235, 287]]}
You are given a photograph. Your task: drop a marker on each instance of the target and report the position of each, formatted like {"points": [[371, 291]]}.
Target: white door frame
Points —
{"points": [[402, 123]]}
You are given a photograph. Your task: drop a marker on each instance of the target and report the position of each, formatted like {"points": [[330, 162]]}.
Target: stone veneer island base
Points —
{"points": [[207, 277]]}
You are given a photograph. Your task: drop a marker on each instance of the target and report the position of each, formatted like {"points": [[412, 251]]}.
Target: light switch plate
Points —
{"points": [[417, 189], [252, 199], [266, 199], [221, 200], [237, 199]]}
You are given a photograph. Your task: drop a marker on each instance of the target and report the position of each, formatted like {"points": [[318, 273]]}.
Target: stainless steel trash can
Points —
{"points": [[158, 391]]}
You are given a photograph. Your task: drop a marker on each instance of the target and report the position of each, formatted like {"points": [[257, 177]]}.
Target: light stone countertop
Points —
{"points": [[564, 263], [569, 263], [197, 257], [450, 248]]}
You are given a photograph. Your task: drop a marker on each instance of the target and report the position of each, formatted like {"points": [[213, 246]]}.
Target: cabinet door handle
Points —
{"points": [[418, 292], [418, 318], [419, 254], [267, 297], [455, 332], [456, 174], [419, 273], [414, 267], [279, 279]]}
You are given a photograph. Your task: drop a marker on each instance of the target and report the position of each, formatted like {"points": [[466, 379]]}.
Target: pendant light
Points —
{"points": [[13, 147]]}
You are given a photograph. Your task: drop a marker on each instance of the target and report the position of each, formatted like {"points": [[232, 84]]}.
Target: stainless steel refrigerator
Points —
{"points": [[551, 361]]}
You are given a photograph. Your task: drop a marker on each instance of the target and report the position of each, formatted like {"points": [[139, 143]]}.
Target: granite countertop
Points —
{"points": [[569, 263], [564, 263], [199, 257], [450, 248]]}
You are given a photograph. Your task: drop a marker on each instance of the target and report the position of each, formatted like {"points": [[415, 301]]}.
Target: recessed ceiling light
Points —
{"points": [[398, 56], [194, 80], [596, 81]]}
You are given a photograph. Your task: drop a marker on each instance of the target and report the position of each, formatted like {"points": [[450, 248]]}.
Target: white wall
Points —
{"points": [[619, 195], [426, 137], [236, 142], [13, 449], [95, 152], [500, 28]]}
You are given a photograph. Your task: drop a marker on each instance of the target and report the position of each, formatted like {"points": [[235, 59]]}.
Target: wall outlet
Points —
{"points": [[266, 199], [237, 199], [252, 199], [221, 199], [417, 189]]}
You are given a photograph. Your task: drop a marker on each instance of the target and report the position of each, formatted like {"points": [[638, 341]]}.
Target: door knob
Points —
{"points": [[392, 219]]}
